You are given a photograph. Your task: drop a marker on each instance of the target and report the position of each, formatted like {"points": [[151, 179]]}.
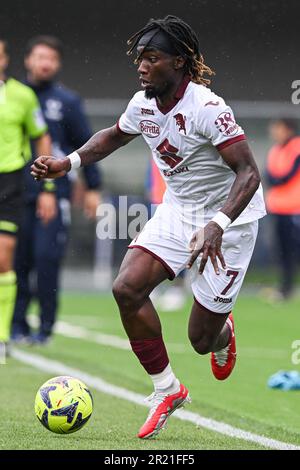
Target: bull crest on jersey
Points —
{"points": [[180, 122], [168, 153]]}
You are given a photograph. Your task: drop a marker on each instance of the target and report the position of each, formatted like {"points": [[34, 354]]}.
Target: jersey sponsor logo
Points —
{"points": [[222, 300], [168, 154], [150, 128], [53, 110], [147, 111], [226, 124], [212, 103], [180, 122], [181, 169]]}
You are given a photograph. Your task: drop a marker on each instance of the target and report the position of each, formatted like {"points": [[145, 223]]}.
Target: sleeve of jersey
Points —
{"points": [[217, 123], [35, 123], [129, 120]]}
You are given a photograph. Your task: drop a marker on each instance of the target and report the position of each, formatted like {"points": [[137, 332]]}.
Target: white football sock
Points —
{"points": [[165, 381]]}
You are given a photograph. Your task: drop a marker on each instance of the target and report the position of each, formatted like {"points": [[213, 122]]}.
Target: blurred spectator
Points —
{"points": [[174, 297], [42, 242], [21, 119], [283, 198]]}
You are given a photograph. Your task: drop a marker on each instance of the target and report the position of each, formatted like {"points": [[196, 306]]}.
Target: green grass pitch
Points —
{"points": [[264, 340]]}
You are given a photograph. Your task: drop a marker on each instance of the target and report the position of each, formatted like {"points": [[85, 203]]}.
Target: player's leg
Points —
{"points": [[140, 273], [10, 212], [211, 327], [23, 266], [287, 253], [207, 330], [49, 250], [211, 332], [150, 261], [7, 283]]}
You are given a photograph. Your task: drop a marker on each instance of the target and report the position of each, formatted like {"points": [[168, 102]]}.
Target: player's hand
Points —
{"points": [[46, 208], [91, 202], [50, 167], [207, 241]]}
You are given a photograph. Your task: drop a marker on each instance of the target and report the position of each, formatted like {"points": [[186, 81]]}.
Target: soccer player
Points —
{"points": [[42, 243], [21, 119], [211, 206]]}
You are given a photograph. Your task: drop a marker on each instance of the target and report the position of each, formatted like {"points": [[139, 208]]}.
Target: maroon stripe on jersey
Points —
{"points": [[120, 130], [228, 142], [165, 265], [151, 353]]}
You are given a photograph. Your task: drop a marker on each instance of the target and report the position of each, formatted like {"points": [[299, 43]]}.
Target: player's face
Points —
{"points": [[156, 72], [3, 58], [280, 133], [43, 63]]}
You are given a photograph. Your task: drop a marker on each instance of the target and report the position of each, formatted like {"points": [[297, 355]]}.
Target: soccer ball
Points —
{"points": [[63, 404]]}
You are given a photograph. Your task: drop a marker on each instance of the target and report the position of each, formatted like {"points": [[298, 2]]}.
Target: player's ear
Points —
{"points": [[179, 62]]}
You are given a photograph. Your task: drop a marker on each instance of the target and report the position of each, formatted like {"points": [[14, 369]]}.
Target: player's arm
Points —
{"points": [[43, 144], [46, 207], [99, 146], [239, 158]]}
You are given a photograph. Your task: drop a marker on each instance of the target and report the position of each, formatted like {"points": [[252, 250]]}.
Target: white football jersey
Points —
{"points": [[184, 140]]}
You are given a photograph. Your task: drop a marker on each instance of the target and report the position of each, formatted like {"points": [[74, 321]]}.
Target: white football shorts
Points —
{"points": [[166, 237]]}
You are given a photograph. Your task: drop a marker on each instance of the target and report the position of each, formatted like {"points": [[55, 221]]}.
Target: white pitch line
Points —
{"points": [[75, 331], [55, 367], [79, 332], [70, 330]]}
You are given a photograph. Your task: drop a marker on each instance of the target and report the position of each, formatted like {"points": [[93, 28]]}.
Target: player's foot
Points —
{"points": [[223, 361], [4, 352], [20, 338], [162, 406], [39, 339]]}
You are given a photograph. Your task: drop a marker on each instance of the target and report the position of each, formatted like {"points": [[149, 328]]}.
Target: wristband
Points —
{"points": [[222, 220], [75, 160]]}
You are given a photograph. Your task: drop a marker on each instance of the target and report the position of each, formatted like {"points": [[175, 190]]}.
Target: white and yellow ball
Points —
{"points": [[63, 404]]}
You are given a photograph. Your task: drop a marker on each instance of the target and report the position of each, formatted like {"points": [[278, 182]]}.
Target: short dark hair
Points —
{"points": [[45, 40], [5, 45], [290, 123]]}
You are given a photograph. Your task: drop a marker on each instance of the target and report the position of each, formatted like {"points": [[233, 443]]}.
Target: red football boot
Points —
{"points": [[162, 406], [223, 361]]}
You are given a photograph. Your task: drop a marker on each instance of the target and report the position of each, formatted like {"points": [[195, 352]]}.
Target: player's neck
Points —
{"points": [[169, 96], [2, 77]]}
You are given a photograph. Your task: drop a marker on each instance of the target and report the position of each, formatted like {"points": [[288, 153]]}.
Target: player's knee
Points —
{"points": [[6, 253], [202, 345], [5, 265], [126, 294]]}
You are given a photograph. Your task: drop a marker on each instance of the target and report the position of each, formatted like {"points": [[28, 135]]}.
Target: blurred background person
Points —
{"points": [[283, 199], [174, 296], [20, 119], [43, 239]]}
